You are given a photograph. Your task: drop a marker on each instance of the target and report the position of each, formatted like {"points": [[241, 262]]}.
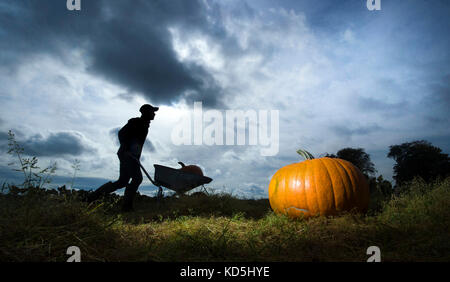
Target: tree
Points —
{"points": [[418, 158], [358, 157], [380, 185]]}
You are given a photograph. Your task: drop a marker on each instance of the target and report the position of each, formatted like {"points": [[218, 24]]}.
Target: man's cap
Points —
{"points": [[148, 108]]}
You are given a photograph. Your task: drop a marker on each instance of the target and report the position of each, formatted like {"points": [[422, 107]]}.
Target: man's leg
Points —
{"points": [[132, 187], [101, 191], [110, 187]]}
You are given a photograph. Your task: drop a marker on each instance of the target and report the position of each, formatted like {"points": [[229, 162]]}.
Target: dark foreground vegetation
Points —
{"points": [[39, 225], [408, 222]]}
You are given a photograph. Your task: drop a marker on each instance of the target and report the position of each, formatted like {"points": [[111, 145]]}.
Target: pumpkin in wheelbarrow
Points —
{"points": [[191, 168]]}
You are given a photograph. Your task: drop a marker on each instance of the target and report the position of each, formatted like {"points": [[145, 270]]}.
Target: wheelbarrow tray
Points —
{"points": [[178, 180]]}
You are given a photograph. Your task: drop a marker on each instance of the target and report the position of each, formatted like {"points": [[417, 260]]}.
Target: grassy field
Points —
{"points": [[39, 225]]}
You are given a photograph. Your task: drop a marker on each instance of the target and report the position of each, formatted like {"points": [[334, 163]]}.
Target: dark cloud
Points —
{"points": [[56, 144], [3, 141], [371, 104], [148, 146], [434, 107], [126, 96], [114, 135], [440, 93], [440, 141], [127, 43], [342, 130], [9, 175]]}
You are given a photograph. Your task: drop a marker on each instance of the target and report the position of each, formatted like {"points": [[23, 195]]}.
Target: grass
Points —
{"points": [[39, 225]]}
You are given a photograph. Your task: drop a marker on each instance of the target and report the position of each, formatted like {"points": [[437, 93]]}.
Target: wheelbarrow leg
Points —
{"points": [[160, 193], [204, 189]]}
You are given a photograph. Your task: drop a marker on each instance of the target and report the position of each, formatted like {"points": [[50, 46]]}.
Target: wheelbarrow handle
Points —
{"points": [[143, 169]]}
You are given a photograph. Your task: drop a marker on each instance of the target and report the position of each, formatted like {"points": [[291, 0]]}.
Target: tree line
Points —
{"points": [[412, 159]]}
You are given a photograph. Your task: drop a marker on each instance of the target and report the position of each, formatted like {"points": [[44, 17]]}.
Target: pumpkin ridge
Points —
{"points": [[327, 194], [360, 181], [354, 186], [339, 171], [288, 190], [316, 196], [303, 193], [276, 192], [309, 189], [332, 183], [348, 190], [284, 199], [292, 192]]}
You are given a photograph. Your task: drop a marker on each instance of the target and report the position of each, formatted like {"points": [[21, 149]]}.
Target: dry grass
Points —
{"points": [[40, 225]]}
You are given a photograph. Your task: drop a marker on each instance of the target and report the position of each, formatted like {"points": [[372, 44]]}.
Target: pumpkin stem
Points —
{"points": [[305, 154], [182, 164]]}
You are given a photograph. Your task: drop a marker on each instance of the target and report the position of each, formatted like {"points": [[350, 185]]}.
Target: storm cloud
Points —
{"points": [[57, 144], [361, 130], [127, 43], [54, 145]]}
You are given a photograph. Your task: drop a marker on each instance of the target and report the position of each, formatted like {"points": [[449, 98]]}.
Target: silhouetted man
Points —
{"points": [[132, 137]]}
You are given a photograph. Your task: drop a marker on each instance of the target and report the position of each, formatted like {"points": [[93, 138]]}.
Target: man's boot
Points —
{"points": [[101, 191], [128, 198]]}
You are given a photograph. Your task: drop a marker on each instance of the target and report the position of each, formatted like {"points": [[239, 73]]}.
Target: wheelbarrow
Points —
{"points": [[174, 179]]}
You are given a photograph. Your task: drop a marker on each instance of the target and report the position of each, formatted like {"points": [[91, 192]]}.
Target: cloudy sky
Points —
{"points": [[339, 75]]}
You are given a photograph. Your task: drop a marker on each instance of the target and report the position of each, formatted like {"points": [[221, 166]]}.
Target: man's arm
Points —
{"points": [[126, 134], [128, 137]]}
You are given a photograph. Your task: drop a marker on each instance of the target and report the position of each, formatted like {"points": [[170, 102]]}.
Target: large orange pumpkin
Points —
{"points": [[324, 186], [191, 168]]}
